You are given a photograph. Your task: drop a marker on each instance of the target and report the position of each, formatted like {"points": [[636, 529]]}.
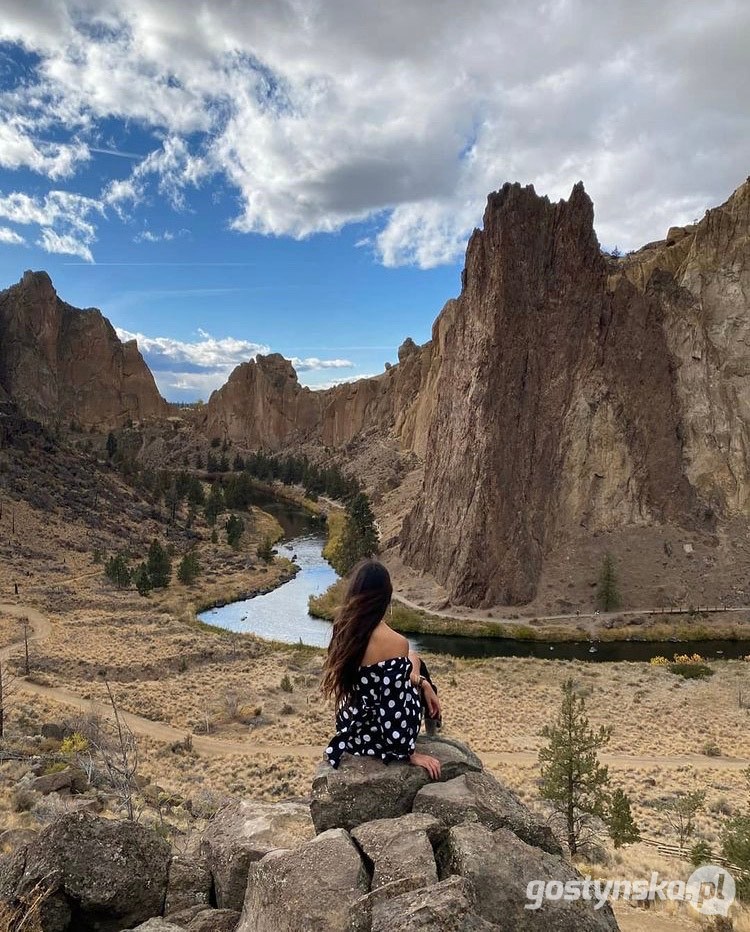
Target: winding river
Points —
{"points": [[282, 614]]}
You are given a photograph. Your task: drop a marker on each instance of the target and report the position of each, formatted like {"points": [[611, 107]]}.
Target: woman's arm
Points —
{"points": [[416, 666]]}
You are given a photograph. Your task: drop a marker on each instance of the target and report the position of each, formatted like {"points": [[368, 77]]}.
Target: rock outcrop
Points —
{"points": [[562, 390], [262, 405], [244, 832], [62, 365], [461, 866], [448, 855], [556, 405]]}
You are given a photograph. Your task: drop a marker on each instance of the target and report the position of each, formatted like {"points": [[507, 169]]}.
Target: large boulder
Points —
{"points": [[214, 920], [479, 797], [71, 779], [362, 788], [442, 907], [500, 867], [400, 849], [105, 875], [245, 831], [313, 888]]}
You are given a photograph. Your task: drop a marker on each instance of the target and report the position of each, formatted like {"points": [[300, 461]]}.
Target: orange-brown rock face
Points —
{"points": [[561, 391], [62, 365], [556, 405], [263, 405]]}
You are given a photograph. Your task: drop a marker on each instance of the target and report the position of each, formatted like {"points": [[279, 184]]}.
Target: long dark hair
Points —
{"points": [[367, 597]]}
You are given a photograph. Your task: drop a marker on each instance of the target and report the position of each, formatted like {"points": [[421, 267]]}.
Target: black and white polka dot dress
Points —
{"points": [[383, 716]]}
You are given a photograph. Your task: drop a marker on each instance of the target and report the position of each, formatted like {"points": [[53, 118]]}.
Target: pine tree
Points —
{"points": [[159, 565], [116, 570], [189, 568], [214, 504], [359, 538], [265, 550], [572, 779], [235, 527], [111, 445], [142, 580], [607, 593], [622, 827]]}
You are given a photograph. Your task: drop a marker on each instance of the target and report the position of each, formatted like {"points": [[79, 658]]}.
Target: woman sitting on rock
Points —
{"points": [[376, 681]]}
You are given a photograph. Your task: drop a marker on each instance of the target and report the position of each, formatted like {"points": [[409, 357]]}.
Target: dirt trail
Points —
{"points": [[477, 615], [220, 747]]}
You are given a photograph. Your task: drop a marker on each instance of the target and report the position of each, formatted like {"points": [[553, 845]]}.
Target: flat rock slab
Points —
{"points": [[499, 867], [244, 832], [479, 797], [363, 789], [312, 888]]}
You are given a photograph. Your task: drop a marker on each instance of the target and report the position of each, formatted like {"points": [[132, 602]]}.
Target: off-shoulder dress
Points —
{"points": [[383, 716]]}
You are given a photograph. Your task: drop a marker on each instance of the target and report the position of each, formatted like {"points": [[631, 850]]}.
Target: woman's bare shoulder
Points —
{"points": [[385, 643]]}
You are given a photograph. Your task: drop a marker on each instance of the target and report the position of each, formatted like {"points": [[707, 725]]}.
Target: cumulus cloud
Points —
{"points": [[202, 365], [320, 114], [10, 237]]}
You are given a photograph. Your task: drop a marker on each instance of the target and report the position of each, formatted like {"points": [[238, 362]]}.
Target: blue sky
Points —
{"points": [[301, 177]]}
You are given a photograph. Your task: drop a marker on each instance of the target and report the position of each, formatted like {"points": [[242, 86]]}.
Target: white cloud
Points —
{"points": [[202, 365], [53, 159], [148, 236], [205, 352], [318, 114], [64, 243], [313, 364], [11, 237], [64, 219]]}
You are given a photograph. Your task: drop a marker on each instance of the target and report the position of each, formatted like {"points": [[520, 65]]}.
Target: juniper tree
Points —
{"points": [[235, 528], [572, 779], [159, 565], [142, 580], [607, 593], [359, 538], [265, 550], [111, 445], [189, 568], [622, 827], [117, 571]]}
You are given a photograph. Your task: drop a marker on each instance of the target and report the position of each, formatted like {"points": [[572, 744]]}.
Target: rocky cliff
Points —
{"points": [[60, 364], [562, 391]]}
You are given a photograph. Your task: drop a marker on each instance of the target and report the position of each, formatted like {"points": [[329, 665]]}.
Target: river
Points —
{"points": [[282, 614]]}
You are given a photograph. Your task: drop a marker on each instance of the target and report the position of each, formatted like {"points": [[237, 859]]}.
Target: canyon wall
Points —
{"points": [[563, 389], [62, 365]]}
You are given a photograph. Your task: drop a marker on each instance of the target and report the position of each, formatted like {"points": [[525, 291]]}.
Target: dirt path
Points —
{"points": [[218, 747], [583, 616]]}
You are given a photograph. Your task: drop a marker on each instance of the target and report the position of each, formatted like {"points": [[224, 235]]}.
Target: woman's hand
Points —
{"points": [[431, 700], [430, 764]]}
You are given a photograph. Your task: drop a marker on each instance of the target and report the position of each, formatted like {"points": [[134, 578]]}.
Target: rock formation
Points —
{"points": [[561, 390], [62, 365], [379, 847]]}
